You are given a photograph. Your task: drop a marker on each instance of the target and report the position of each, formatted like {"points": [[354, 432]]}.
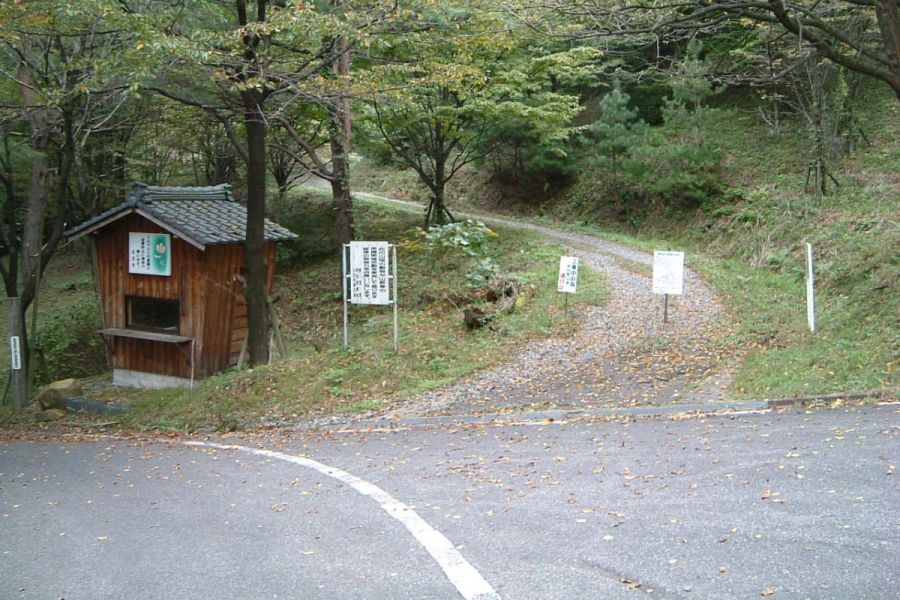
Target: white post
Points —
{"points": [[810, 289], [345, 275]]}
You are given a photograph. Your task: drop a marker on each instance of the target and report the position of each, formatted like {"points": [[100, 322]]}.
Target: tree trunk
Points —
{"points": [[439, 211], [36, 199], [340, 194], [888, 15], [438, 208], [255, 288], [340, 148]]}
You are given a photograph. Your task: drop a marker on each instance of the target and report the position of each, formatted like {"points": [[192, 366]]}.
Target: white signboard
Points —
{"points": [[369, 273], [568, 274], [150, 254], [668, 272], [15, 353]]}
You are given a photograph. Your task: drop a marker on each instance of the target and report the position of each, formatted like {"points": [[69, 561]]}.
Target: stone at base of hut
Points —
{"points": [[51, 414], [57, 394]]}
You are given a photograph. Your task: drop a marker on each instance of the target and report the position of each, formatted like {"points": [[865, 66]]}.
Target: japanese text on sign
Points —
{"points": [[568, 274], [15, 353], [369, 273], [668, 272], [150, 254]]}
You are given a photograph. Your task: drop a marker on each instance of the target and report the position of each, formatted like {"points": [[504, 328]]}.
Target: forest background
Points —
{"points": [[740, 130]]}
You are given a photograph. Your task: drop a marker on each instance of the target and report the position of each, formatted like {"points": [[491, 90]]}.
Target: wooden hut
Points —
{"points": [[169, 263]]}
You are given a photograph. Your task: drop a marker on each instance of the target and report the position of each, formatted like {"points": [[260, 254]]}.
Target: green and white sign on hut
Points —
{"points": [[150, 254]]}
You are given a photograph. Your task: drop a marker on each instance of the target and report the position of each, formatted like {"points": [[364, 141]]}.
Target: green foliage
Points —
{"points": [[69, 344], [467, 238], [614, 135], [676, 172], [671, 166], [531, 106], [647, 97], [482, 272], [469, 92]]}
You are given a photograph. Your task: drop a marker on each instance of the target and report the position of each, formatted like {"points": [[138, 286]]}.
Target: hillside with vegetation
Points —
{"points": [[748, 234], [738, 132]]}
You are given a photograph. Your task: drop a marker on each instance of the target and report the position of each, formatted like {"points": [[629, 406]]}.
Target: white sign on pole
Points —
{"points": [[568, 274], [369, 273], [668, 272], [15, 353], [150, 254]]}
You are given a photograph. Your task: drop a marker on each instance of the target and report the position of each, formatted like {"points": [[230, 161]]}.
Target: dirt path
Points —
{"points": [[622, 356]]}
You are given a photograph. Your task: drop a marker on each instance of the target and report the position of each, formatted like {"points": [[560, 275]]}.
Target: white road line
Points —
{"points": [[468, 581]]}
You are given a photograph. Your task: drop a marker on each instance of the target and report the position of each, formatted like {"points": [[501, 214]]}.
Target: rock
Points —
{"points": [[57, 394], [51, 414]]}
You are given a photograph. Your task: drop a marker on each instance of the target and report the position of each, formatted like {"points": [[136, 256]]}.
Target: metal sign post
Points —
{"points": [[345, 288], [370, 277], [394, 274], [668, 277]]}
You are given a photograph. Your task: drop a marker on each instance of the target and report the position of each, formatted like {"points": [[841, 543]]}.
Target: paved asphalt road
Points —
{"points": [[792, 505]]}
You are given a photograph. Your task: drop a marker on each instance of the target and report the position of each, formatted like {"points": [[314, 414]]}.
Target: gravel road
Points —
{"points": [[622, 356]]}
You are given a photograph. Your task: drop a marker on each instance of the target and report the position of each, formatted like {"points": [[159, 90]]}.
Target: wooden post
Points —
{"points": [[665, 308], [18, 374], [278, 337]]}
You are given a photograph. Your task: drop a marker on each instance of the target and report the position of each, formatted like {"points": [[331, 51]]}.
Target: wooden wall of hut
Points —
{"points": [[207, 285]]}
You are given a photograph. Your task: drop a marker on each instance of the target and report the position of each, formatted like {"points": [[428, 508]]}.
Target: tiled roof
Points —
{"points": [[204, 216]]}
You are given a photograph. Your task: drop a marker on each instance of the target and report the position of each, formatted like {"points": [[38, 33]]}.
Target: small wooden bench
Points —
{"points": [[152, 336]]}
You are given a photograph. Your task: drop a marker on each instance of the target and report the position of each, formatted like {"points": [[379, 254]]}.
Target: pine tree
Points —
{"points": [[615, 133]]}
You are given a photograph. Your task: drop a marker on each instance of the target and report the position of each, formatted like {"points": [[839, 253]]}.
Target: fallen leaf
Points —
{"points": [[630, 583]]}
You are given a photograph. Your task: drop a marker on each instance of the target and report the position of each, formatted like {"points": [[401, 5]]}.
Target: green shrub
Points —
{"points": [[68, 344], [678, 171], [482, 272], [467, 237]]}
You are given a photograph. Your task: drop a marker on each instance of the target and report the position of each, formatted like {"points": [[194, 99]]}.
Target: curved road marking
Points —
{"points": [[470, 584]]}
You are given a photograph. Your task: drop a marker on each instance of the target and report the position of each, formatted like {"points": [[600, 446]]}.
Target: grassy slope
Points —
{"points": [[855, 233], [751, 247]]}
